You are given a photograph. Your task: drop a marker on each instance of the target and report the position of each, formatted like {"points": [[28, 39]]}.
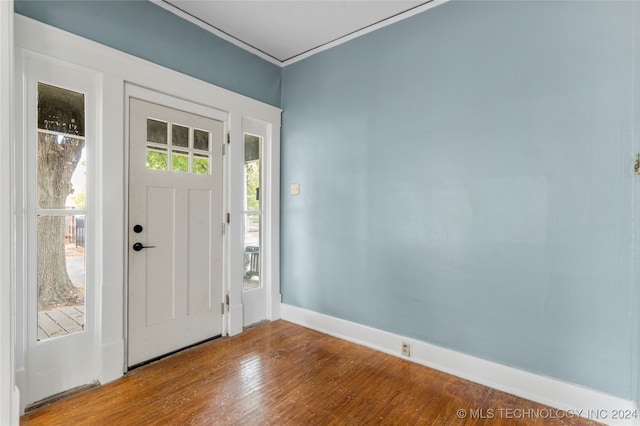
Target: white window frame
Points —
{"points": [[270, 196], [41, 356]]}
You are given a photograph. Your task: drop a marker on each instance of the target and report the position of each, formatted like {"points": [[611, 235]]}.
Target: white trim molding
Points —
{"points": [[9, 394], [392, 20], [572, 398]]}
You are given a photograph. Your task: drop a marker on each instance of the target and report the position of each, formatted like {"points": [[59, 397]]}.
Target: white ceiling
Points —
{"points": [[286, 31]]}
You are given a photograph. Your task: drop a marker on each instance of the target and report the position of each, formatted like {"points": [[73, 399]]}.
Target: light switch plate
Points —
{"points": [[295, 189]]}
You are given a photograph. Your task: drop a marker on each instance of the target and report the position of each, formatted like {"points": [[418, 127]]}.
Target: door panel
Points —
{"points": [[160, 270], [199, 246], [176, 196]]}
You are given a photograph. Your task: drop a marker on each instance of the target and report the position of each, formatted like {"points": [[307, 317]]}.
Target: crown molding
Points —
{"points": [[283, 63]]}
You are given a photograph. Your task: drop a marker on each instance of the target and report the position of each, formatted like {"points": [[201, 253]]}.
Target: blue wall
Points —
{"points": [[152, 33], [466, 180]]}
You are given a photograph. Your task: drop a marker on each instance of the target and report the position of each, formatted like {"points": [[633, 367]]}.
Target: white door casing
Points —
{"points": [[176, 283], [8, 394]]}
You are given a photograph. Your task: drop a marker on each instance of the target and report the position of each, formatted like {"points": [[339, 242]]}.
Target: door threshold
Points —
{"points": [[60, 396], [168, 354], [255, 324]]}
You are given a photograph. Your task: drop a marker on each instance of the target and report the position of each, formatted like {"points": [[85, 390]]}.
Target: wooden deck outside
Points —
{"points": [[283, 374], [60, 321]]}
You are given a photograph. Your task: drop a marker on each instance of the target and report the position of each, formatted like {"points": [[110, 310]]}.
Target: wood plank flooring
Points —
{"points": [[283, 374]]}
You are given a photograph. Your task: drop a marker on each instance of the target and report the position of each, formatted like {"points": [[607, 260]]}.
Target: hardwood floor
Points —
{"points": [[284, 374]]}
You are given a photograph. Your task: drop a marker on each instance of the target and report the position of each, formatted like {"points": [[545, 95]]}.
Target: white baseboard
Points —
{"points": [[112, 365], [15, 408], [572, 398], [21, 383]]}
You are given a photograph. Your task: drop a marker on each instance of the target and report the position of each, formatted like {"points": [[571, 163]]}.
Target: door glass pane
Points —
{"points": [[60, 148], [156, 131], [179, 136], [61, 275], [252, 251], [157, 159], [252, 172], [201, 139], [179, 161], [186, 156], [200, 164]]}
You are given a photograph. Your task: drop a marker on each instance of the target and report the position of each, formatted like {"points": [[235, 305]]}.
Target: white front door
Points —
{"points": [[175, 229]]}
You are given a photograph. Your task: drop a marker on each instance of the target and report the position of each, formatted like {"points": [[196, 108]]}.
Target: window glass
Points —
{"points": [[252, 172], [252, 215], [179, 136], [200, 164], [157, 159], [60, 149], [184, 156], [61, 236], [201, 139], [180, 161], [156, 131]]}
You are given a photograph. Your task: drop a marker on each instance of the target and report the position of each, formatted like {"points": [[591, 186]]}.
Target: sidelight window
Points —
{"points": [[61, 211], [252, 211]]}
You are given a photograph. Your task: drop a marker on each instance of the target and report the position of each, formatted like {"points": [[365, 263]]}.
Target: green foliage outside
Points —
{"points": [[179, 162], [252, 172], [157, 160], [200, 165], [79, 201]]}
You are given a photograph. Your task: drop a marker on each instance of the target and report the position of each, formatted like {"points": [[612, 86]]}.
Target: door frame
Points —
{"points": [[116, 69], [9, 410]]}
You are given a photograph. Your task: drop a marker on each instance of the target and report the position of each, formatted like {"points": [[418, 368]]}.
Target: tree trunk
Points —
{"points": [[54, 286], [58, 157]]}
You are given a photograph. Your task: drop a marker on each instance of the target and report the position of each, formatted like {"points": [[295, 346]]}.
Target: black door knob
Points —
{"points": [[138, 229], [140, 246]]}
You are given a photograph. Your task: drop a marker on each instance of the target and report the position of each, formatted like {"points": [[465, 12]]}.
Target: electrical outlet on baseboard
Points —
{"points": [[406, 349]]}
